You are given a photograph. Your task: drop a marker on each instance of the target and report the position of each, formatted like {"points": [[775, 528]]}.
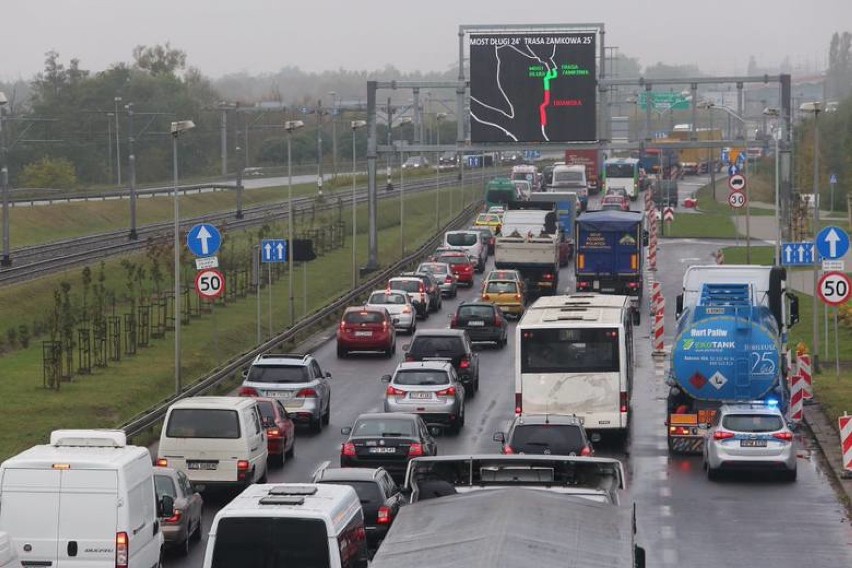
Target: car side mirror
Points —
{"points": [[327, 375], [395, 321], [499, 437], [346, 430], [166, 506], [436, 431], [245, 374], [678, 306], [406, 346], [386, 378]]}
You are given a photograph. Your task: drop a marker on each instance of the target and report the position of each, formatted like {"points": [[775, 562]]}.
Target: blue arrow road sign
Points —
{"points": [[833, 179], [832, 243], [204, 240], [797, 254], [273, 250]]}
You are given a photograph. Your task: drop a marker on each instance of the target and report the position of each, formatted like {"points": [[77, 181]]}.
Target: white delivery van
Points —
{"points": [[290, 524], [85, 500], [215, 441]]}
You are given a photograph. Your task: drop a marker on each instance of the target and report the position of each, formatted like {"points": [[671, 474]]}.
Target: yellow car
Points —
{"points": [[505, 274], [507, 294], [491, 220]]}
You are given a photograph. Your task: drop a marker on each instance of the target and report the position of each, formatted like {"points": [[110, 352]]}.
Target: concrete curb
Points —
{"points": [[827, 440]]}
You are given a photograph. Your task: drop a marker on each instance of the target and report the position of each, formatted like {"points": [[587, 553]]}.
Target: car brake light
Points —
{"points": [[415, 450], [409, 357], [465, 364], [447, 392], [632, 285], [348, 450], [448, 280], [519, 405], [306, 393], [393, 391], [455, 321], [242, 465], [548, 276], [508, 449], [248, 391], [722, 435], [175, 518], [623, 401], [582, 285], [273, 433], [384, 515], [518, 297], [786, 436], [422, 289], [343, 326], [162, 462], [122, 550], [498, 321], [586, 451]]}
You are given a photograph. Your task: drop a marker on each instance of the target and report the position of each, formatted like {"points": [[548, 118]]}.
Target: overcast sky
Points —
{"points": [[259, 36]]}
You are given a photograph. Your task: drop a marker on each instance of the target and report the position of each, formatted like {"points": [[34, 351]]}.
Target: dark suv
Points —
{"points": [[451, 345], [545, 434]]}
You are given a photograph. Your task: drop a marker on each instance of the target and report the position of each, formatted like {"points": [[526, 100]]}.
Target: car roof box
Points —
{"points": [[89, 438]]}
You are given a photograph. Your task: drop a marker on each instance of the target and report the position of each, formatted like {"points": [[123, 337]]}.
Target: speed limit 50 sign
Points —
{"points": [[834, 288], [210, 284]]}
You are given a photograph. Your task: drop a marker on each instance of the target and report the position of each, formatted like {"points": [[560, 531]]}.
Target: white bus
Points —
{"points": [[622, 173], [574, 355]]}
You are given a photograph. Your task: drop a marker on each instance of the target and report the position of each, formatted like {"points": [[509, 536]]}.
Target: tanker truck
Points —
{"points": [[730, 346]]}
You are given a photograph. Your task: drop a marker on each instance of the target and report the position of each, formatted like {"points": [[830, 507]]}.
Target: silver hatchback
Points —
{"points": [[751, 436], [430, 389], [441, 271], [398, 305]]}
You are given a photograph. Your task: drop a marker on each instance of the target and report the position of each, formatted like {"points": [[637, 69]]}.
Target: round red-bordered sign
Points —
{"points": [[210, 283], [834, 288], [736, 199]]}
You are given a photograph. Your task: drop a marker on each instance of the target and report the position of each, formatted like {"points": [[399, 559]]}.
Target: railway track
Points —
{"points": [[30, 263]]}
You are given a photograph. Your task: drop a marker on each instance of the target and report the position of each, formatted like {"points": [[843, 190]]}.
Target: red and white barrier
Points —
{"points": [[656, 296], [652, 244], [649, 203], [659, 328], [796, 398], [845, 423], [803, 363]]}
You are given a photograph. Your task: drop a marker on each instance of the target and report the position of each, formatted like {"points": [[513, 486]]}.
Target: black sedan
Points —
{"points": [[380, 496], [483, 321], [387, 441]]}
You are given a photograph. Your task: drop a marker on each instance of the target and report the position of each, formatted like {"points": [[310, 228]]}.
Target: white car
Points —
{"points": [[399, 306]]}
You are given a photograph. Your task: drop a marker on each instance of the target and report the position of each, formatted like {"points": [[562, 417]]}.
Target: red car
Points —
{"points": [[617, 202], [280, 430], [366, 329], [461, 265]]}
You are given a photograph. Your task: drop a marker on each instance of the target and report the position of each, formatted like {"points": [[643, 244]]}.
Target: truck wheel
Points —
{"points": [[637, 317]]}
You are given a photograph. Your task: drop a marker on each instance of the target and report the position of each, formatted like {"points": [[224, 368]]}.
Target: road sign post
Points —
{"points": [[736, 199], [210, 284]]}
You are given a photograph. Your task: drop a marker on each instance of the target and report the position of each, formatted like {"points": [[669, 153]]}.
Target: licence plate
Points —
{"points": [[382, 450], [202, 465], [607, 289], [476, 323], [419, 395], [596, 284], [277, 394], [363, 333], [752, 443]]}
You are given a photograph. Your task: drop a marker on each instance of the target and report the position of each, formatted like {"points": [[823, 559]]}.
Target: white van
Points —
{"points": [[85, 500], [215, 441], [469, 241], [289, 523]]}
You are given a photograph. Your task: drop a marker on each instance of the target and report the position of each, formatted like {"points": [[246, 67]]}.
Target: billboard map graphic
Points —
{"points": [[532, 87]]}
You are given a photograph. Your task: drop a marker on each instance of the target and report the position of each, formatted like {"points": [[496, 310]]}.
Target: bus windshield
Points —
{"points": [[570, 350]]}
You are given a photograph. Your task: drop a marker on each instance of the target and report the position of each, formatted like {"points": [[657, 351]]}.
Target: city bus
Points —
{"points": [[574, 355], [622, 173]]}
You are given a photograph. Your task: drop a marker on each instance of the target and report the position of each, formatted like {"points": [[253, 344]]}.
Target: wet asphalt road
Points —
{"points": [[683, 519]]}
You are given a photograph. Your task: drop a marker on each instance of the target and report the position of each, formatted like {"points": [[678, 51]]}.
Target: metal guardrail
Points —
{"points": [[156, 413], [122, 193]]}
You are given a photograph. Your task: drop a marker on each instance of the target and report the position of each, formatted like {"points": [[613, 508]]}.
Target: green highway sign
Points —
{"points": [[663, 101]]}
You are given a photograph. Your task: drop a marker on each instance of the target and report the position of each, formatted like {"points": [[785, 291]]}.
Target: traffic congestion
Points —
{"points": [[514, 353]]}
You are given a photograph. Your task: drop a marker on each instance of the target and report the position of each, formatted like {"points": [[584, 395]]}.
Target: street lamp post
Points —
{"points": [[776, 134], [319, 147], [117, 100], [176, 129], [131, 162], [356, 124], [438, 118], [333, 95], [4, 185], [815, 108], [290, 126]]}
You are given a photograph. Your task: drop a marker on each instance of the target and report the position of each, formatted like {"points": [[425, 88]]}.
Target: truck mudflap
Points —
{"points": [[686, 433]]}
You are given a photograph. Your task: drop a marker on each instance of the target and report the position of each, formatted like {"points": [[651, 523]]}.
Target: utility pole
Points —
{"points": [[117, 100], [131, 159], [319, 147], [223, 127]]}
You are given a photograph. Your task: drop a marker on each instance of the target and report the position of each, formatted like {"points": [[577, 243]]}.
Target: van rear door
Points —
{"points": [[30, 511], [88, 508]]}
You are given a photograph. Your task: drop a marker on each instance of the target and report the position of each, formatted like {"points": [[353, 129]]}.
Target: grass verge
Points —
{"points": [[710, 222]]}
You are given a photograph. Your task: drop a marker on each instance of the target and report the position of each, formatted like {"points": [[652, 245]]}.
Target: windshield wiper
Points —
{"points": [[392, 434], [539, 444]]}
